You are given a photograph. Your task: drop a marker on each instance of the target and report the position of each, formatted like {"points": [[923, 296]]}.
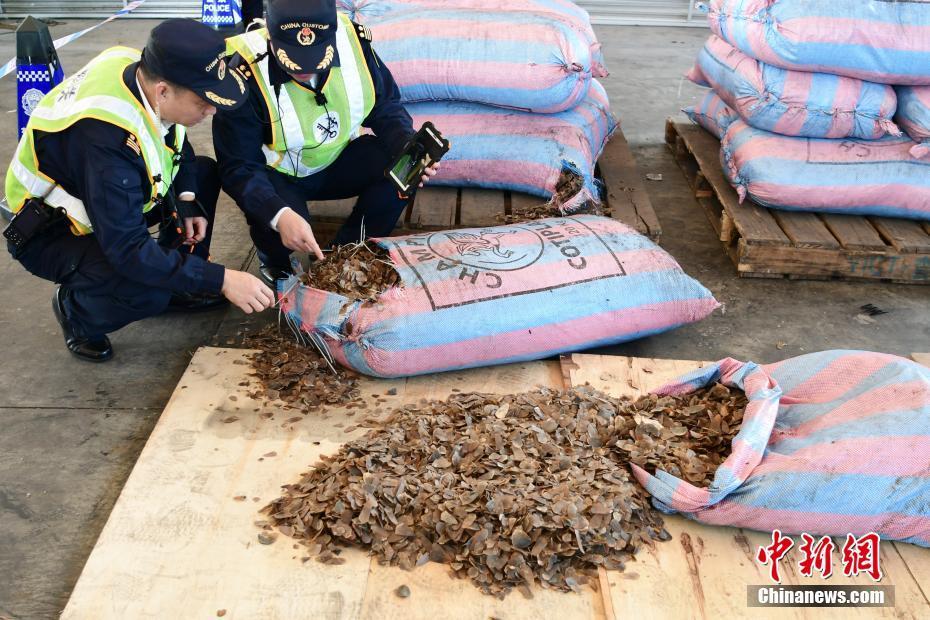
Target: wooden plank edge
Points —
{"points": [[906, 236], [624, 191], [567, 364], [838, 264], [702, 189], [792, 224], [829, 220], [643, 206], [607, 600]]}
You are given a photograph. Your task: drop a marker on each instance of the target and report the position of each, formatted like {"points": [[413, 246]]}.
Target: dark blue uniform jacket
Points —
{"points": [[93, 161]]}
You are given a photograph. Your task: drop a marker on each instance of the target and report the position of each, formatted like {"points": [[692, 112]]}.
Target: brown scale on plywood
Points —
{"points": [[509, 490]]}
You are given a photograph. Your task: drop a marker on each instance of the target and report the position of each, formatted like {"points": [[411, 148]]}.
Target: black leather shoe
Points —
{"points": [[87, 349], [196, 302], [271, 274]]}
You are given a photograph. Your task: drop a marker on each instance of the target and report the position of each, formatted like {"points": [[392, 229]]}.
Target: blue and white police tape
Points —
{"points": [[62, 41]]}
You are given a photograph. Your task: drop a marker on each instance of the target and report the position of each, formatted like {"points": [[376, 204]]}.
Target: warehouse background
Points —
{"points": [[612, 12]]}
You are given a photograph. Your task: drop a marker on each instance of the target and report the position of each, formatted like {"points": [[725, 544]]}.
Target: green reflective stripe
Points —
{"points": [[52, 195], [351, 77], [107, 106], [118, 51], [287, 135], [285, 150], [299, 146], [250, 46], [34, 184]]}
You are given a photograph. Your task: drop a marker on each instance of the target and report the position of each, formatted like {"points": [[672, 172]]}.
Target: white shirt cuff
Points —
{"points": [[277, 216], [187, 196]]}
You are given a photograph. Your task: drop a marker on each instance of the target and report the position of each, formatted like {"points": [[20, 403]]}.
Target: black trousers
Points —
{"points": [[358, 171], [98, 300]]}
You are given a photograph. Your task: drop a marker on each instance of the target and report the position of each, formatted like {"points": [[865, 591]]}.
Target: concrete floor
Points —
{"points": [[71, 432]]}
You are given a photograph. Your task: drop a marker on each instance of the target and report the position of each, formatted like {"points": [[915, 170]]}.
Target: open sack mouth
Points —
{"points": [[358, 272]]}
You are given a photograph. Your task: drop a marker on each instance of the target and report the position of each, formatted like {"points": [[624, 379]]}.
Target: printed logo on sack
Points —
{"points": [[31, 99], [326, 127], [482, 249], [457, 268]]}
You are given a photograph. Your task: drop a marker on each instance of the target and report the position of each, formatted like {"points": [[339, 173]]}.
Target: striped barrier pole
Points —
{"points": [[38, 68]]}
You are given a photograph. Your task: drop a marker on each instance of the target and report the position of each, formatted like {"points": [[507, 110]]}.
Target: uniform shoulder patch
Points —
{"points": [[133, 143], [363, 32]]}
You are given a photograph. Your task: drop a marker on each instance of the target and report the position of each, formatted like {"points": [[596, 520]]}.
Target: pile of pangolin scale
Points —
{"points": [[509, 490]]}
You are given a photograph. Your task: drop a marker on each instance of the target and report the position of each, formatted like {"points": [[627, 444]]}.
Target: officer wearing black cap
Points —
{"points": [[314, 81], [105, 157]]}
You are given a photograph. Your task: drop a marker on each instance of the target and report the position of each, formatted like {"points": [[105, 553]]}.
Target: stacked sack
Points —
{"points": [[809, 99], [511, 86]]}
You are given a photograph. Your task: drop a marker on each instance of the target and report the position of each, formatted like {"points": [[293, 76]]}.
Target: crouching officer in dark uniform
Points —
{"points": [[314, 82], [104, 157]]}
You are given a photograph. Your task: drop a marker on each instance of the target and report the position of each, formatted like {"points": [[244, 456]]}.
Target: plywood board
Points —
{"points": [[179, 545]]}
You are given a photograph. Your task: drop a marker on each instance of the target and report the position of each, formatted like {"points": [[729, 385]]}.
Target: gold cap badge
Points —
{"points": [[285, 60], [217, 99], [327, 58], [306, 36]]}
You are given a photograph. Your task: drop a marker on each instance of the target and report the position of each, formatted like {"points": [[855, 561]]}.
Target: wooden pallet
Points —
{"points": [[443, 208], [178, 544], [775, 244]]}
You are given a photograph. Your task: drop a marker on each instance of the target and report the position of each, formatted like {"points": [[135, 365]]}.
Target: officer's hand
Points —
{"points": [[246, 292], [297, 235], [429, 172], [195, 230]]}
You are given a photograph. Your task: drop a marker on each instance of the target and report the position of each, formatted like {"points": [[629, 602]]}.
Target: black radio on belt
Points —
{"points": [[424, 149], [33, 218]]}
